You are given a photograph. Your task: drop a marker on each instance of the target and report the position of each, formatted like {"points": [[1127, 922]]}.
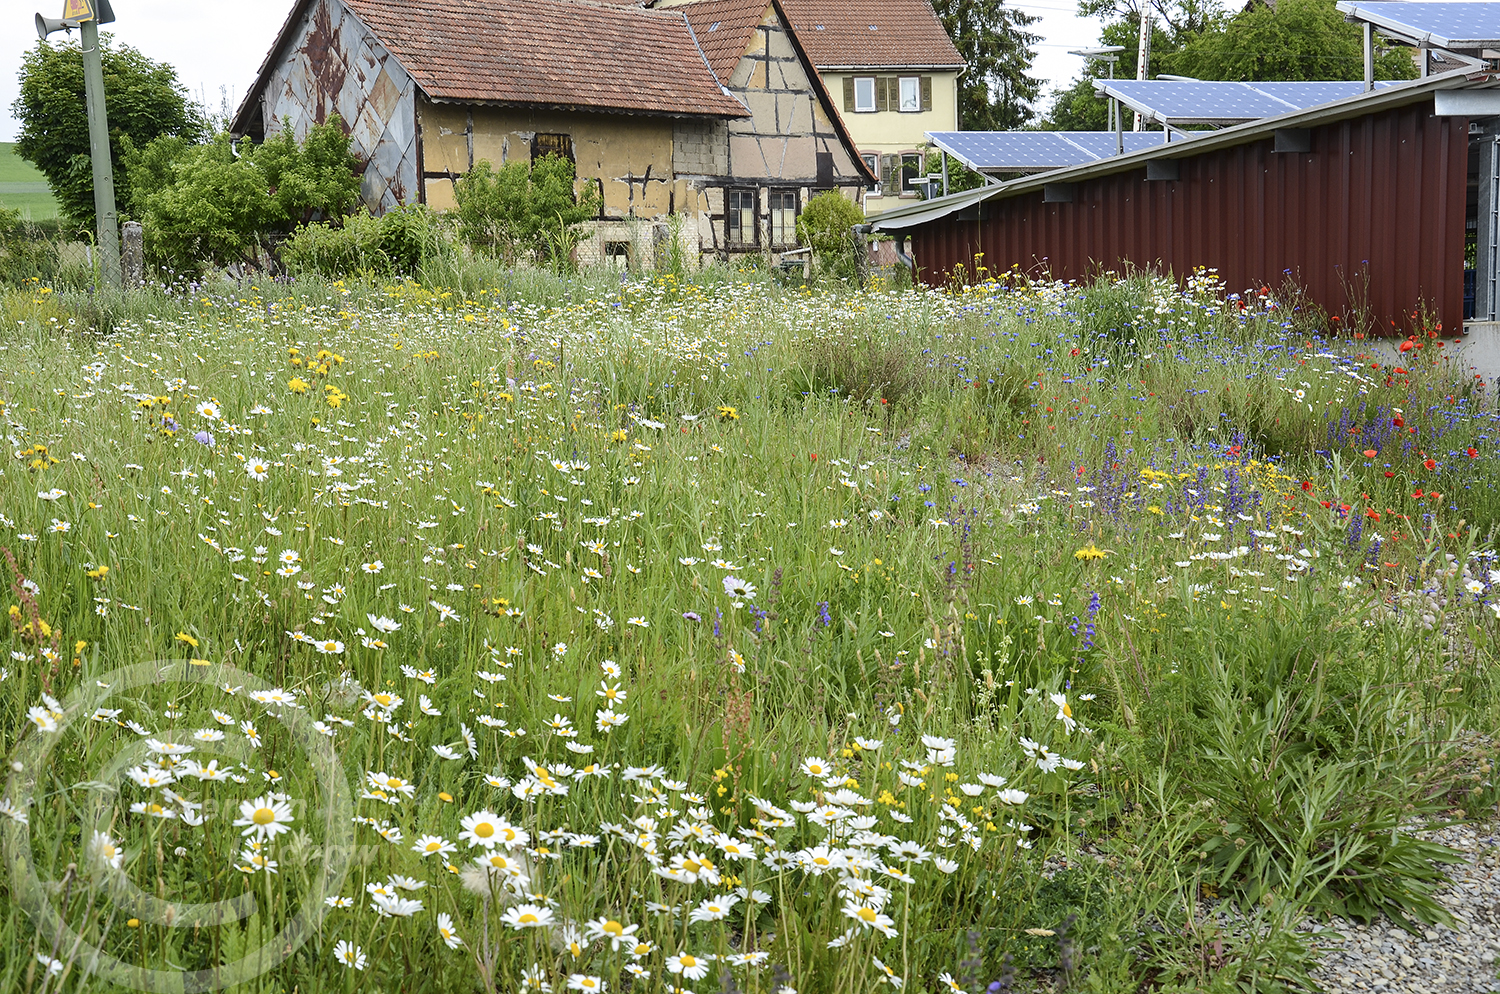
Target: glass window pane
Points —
{"points": [[911, 94], [864, 94]]}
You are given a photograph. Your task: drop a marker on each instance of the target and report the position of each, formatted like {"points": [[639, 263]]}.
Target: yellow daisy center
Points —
{"points": [[614, 928], [263, 816], [484, 830], [529, 919]]}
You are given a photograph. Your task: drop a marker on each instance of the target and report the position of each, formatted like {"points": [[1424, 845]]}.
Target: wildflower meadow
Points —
{"points": [[705, 634]]}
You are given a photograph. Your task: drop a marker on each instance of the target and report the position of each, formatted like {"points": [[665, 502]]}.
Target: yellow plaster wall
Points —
{"points": [[629, 156], [892, 131]]}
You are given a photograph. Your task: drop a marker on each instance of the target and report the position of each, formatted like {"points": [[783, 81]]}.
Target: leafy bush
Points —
{"points": [[226, 202], [531, 208], [397, 242], [824, 227]]}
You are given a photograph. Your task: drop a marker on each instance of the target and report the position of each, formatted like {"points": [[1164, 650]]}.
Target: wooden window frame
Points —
{"points": [[903, 189], [874, 106], [546, 143], [789, 239], [734, 217], [916, 94]]}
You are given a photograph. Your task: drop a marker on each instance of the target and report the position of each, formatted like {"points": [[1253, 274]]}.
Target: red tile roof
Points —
{"points": [[723, 28], [565, 54], [556, 53], [872, 34]]}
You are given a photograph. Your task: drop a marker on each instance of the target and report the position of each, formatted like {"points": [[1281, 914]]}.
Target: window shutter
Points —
{"points": [[882, 93], [927, 93], [849, 94], [890, 175]]}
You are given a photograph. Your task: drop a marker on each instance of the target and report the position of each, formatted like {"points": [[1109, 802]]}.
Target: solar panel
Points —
{"points": [[1034, 151], [1182, 102], [1458, 26]]}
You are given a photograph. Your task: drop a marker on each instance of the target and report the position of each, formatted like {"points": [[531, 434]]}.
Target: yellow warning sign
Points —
{"points": [[78, 10]]}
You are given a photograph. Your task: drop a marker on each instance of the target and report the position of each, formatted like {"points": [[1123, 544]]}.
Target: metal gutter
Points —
{"points": [[1337, 110]]}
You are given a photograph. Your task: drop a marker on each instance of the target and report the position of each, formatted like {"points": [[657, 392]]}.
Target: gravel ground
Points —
{"points": [[1465, 958]]}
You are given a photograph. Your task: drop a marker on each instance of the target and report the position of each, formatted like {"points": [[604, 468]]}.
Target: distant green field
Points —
{"points": [[22, 187]]}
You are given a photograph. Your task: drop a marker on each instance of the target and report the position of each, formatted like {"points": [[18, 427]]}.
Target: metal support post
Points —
{"points": [[1487, 263], [104, 178], [1369, 57], [1143, 59], [1119, 127]]}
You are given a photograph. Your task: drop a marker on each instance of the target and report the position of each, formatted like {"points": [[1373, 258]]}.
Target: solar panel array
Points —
{"points": [[1464, 25], [1033, 151], [1215, 102]]}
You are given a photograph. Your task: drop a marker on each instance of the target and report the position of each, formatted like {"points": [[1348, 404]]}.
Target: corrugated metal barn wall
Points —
{"points": [[1381, 194]]}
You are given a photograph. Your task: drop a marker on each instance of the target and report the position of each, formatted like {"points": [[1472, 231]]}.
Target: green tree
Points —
{"points": [[532, 207], [143, 99], [1077, 107], [995, 93], [222, 202], [1295, 40]]}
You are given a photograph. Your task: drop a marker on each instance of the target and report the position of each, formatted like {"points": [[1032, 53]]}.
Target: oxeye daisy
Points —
{"points": [[445, 929], [528, 916], [257, 470], [265, 817], [482, 828], [349, 954]]}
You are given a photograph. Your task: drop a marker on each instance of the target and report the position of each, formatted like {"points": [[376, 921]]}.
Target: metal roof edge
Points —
{"points": [[586, 108], [1336, 110], [883, 67], [923, 211]]}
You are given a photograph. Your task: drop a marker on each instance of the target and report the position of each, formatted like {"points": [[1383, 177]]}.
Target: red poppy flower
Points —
{"points": [[1406, 346], [1473, 452], [1430, 465], [813, 456], [1398, 421], [1389, 475], [1418, 495], [1370, 453], [1306, 484]]}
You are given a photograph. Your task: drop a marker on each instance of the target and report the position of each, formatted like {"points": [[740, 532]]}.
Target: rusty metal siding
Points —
{"points": [[332, 63], [1380, 196]]}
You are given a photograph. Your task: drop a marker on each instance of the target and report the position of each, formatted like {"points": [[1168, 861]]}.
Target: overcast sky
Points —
{"points": [[217, 46]]}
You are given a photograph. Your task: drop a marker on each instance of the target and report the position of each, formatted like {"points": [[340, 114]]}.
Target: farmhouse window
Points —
{"points": [[870, 94], [872, 161], [558, 145], [739, 217], [911, 94], [911, 169], [783, 217]]}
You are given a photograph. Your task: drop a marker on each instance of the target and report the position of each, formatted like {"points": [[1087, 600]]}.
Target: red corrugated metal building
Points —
{"points": [[1374, 205]]}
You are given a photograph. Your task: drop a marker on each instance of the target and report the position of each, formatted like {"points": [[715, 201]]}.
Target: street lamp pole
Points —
{"points": [[1108, 54], [108, 221], [86, 15]]}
